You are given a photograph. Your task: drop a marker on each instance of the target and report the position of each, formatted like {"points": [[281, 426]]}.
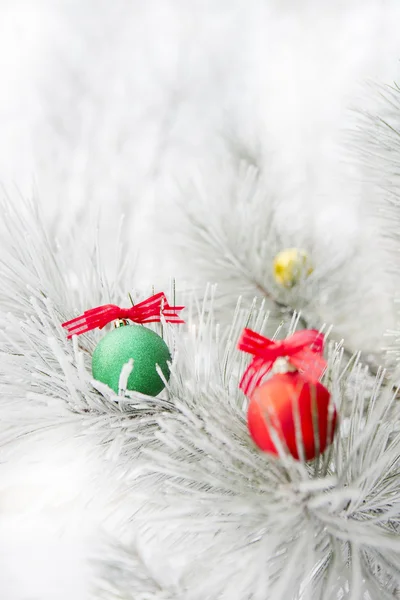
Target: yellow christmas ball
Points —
{"points": [[290, 266]]}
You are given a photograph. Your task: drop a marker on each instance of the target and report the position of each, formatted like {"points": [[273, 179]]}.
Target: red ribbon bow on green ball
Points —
{"points": [[148, 311], [303, 350]]}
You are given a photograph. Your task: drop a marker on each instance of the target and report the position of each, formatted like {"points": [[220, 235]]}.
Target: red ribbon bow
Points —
{"points": [[148, 311], [303, 350]]}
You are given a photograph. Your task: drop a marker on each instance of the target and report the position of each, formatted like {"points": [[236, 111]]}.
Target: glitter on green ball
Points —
{"points": [[144, 346]]}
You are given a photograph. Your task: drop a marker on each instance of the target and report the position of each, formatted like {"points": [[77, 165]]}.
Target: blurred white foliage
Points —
{"points": [[227, 230], [378, 154], [36, 563]]}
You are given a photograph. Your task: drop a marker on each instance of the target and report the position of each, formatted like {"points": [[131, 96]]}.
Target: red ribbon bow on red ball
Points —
{"points": [[303, 350], [148, 311]]}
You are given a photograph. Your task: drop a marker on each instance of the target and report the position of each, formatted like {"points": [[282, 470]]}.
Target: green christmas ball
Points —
{"points": [[147, 350]]}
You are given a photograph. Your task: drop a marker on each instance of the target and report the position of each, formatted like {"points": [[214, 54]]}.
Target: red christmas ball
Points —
{"points": [[274, 406]]}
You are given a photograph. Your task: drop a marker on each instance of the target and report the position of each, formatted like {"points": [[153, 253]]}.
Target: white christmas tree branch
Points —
{"points": [[179, 483]]}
